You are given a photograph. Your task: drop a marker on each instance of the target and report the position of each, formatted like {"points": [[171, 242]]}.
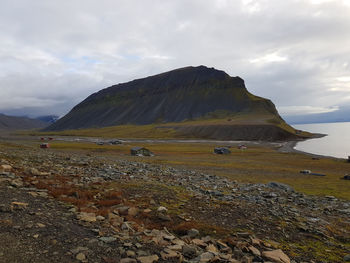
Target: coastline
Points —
{"points": [[289, 147]]}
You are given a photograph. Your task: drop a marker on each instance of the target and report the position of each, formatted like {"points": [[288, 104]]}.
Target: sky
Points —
{"points": [[53, 54]]}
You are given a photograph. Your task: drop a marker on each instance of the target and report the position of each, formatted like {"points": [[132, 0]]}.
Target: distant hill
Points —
{"points": [[19, 123], [48, 118], [199, 101], [340, 115]]}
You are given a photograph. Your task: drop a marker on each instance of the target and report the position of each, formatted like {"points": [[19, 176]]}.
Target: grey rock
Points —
{"points": [[108, 239], [280, 186], [164, 217], [189, 251], [5, 208], [192, 233]]}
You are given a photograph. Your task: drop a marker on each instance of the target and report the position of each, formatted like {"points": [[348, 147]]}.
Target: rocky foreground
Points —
{"points": [[78, 207]]}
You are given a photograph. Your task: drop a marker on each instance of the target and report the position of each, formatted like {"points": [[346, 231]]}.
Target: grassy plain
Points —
{"points": [[257, 164]]}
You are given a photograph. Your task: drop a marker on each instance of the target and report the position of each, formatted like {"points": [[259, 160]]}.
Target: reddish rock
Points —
{"points": [[277, 256]]}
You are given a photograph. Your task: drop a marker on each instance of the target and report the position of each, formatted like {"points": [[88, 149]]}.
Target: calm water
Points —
{"points": [[336, 144]]}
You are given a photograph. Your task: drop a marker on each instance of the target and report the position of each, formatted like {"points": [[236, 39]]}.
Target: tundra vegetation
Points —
{"points": [[227, 197]]}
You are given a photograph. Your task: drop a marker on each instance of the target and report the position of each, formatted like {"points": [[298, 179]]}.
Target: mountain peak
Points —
{"points": [[184, 94], [198, 74]]}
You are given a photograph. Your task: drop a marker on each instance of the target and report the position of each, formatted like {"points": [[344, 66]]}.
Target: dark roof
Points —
{"points": [[138, 148]]}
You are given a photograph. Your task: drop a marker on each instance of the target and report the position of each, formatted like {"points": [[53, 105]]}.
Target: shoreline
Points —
{"points": [[280, 146], [289, 147]]}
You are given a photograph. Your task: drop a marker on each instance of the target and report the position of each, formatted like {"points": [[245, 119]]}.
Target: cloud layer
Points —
{"points": [[53, 54]]}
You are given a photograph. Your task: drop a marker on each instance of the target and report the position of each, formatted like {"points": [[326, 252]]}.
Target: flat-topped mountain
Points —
{"points": [[196, 96], [19, 123]]}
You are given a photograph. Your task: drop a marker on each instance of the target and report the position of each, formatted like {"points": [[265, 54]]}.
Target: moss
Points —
{"points": [[313, 248]]}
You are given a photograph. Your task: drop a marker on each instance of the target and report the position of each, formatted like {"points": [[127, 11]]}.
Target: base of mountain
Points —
{"points": [[239, 127]]}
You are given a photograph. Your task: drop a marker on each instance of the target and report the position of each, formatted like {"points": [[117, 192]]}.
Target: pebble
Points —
{"points": [[108, 239], [192, 233], [130, 253], [280, 199], [189, 251], [80, 256], [206, 257], [148, 259], [128, 260], [162, 209]]}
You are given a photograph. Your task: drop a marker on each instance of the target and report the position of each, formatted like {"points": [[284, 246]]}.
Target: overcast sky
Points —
{"points": [[53, 54]]}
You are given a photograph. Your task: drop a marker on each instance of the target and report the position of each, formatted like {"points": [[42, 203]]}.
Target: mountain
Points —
{"points": [[198, 102], [48, 118], [340, 115], [19, 123]]}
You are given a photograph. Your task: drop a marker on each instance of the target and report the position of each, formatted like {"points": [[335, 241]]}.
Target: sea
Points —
{"points": [[335, 144]]}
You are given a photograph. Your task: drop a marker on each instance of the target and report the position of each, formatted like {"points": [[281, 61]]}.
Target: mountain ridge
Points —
{"points": [[184, 94], [19, 123]]}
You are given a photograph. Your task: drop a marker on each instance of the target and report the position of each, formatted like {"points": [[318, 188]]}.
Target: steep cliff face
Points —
{"points": [[189, 93]]}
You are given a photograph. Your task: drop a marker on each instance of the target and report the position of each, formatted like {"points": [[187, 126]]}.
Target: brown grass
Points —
{"points": [[109, 202]]}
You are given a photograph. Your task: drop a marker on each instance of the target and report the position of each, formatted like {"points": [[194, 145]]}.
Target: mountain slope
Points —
{"points": [[19, 123], [49, 119], [198, 94]]}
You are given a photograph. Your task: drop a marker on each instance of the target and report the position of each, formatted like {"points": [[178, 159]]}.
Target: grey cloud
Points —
{"points": [[55, 53]]}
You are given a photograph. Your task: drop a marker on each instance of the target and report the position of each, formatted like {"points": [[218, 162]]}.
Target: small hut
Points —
{"points": [[115, 142], [242, 147], [140, 151], [222, 150]]}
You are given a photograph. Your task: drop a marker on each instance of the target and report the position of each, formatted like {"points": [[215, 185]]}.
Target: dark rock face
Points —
{"points": [[182, 94], [19, 123]]}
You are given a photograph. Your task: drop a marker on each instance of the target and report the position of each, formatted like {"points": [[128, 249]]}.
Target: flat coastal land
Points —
{"points": [[184, 204]]}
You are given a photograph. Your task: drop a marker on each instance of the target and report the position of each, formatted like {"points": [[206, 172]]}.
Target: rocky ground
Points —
{"points": [[83, 207]]}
